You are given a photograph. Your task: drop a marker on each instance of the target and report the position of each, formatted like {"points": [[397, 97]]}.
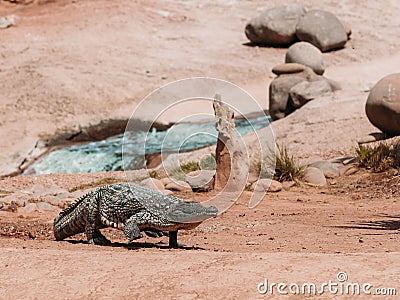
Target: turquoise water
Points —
{"points": [[128, 150]]}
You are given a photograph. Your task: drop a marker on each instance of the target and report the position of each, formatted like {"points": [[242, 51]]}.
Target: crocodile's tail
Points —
{"points": [[72, 220]]}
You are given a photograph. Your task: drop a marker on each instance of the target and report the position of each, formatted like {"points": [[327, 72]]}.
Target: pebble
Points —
{"points": [[178, 186], [44, 206], [314, 176]]}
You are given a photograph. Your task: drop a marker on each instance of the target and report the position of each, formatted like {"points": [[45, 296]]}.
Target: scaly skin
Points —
{"points": [[132, 209]]}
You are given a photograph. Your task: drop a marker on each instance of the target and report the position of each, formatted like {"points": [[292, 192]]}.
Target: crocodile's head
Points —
{"points": [[190, 213]]}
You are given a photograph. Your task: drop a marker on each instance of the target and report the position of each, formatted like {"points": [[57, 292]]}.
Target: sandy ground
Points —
{"points": [[301, 235], [70, 64]]}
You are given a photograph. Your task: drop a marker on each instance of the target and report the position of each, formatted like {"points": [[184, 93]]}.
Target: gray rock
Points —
{"points": [[314, 176], [266, 185], [152, 183], [201, 180], [328, 168], [306, 54], [286, 185], [165, 181], [289, 68], [45, 206], [179, 186], [322, 29], [7, 21], [29, 208], [275, 26], [54, 200], [306, 91], [348, 170], [383, 104], [279, 95]]}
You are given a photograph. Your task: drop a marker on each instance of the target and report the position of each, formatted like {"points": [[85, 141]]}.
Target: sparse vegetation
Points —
{"points": [[180, 172], [154, 174], [190, 167], [95, 184], [379, 158], [281, 166], [287, 167]]}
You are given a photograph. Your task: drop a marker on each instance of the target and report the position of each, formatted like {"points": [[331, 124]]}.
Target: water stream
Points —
{"points": [[106, 155]]}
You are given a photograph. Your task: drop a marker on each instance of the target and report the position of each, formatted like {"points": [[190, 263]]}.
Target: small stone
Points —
{"points": [[167, 192], [329, 169], [29, 208], [252, 178], [201, 180], [20, 202], [288, 68], [288, 184], [53, 200], [179, 186], [45, 206], [152, 183], [266, 185], [314, 176], [165, 181], [348, 170]]}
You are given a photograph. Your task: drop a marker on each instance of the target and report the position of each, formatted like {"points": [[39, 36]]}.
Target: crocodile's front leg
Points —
{"points": [[131, 230]]}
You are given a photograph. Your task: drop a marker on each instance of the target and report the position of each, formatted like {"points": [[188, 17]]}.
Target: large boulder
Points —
{"points": [[383, 104], [275, 26], [306, 54], [322, 29]]}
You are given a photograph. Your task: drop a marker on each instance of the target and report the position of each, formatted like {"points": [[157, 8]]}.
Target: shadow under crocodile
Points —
{"points": [[139, 245]]}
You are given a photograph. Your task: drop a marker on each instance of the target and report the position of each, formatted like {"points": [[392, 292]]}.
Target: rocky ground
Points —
{"points": [[67, 65]]}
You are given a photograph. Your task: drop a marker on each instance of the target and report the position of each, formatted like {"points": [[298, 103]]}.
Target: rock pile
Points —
{"points": [[295, 85]]}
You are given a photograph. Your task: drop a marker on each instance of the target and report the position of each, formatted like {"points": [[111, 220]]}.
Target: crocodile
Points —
{"points": [[133, 209]]}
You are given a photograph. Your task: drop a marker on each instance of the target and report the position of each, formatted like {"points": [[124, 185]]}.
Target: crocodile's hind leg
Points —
{"points": [[99, 239], [173, 239], [93, 234]]}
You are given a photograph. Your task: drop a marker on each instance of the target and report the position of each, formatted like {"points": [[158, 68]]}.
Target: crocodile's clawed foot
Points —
{"points": [[99, 240]]}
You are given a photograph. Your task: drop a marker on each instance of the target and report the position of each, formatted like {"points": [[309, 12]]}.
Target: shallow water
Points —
{"points": [[126, 151]]}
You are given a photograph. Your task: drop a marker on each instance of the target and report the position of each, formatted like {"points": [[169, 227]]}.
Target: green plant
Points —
{"points": [[94, 184], [287, 167], [190, 167], [378, 158], [154, 174], [179, 172]]}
